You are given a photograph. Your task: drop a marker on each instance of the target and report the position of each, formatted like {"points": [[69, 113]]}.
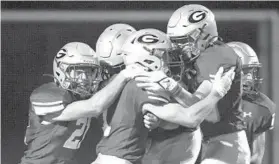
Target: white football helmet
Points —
{"points": [[110, 42], [192, 28], [250, 66], [147, 47], [76, 68]]}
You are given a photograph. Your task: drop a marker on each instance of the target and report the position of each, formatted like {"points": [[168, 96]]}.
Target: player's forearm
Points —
{"points": [[74, 111], [258, 149], [181, 95], [178, 114], [184, 98], [103, 99], [168, 125], [94, 106]]}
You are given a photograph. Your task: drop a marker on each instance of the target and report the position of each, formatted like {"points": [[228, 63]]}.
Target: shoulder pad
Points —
{"points": [[49, 98], [221, 54], [265, 101], [213, 58]]}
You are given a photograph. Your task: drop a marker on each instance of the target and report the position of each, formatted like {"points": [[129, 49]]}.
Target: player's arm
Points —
{"points": [[189, 117], [195, 114], [157, 82], [185, 98], [94, 106], [181, 95], [100, 101], [258, 149]]}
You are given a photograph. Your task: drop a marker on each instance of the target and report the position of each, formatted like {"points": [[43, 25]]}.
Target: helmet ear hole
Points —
{"points": [[148, 61], [118, 36]]}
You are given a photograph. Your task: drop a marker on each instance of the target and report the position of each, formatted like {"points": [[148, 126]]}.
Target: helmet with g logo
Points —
{"points": [[192, 28], [250, 67], [147, 47], [76, 68]]}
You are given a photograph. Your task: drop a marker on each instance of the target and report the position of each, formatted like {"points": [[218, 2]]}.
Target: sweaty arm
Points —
{"points": [[258, 149], [185, 99], [101, 100], [182, 96], [95, 105], [176, 113], [195, 114]]}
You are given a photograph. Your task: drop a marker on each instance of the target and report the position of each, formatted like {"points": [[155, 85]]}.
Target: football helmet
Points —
{"points": [[192, 28], [250, 67], [76, 68], [149, 48], [109, 44]]}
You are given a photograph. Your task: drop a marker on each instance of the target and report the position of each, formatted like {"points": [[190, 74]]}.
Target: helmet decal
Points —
{"points": [[148, 38], [197, 16], [61, 53]]}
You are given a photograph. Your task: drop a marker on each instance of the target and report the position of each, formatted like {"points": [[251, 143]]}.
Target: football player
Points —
{"points": [[125, 140], [54, 139], [76, 72], [108, 48], [259, 110], [193, 32], [112, 72]]}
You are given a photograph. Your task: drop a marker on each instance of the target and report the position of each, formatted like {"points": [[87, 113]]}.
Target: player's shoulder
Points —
{"points": [[259, 112], [215, 57], [264, 101], [50, 93], [221, 54], [261, 102], [221, 49], [131, 87], [49, 98]]}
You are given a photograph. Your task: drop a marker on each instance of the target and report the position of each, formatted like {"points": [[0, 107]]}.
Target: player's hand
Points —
{"points": [[154, 91], [222, 83], [150, 77], [151, 121], [149, 81], [131, 71]]}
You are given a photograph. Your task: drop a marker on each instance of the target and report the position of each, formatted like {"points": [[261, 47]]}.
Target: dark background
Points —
{"points": [[28, 49], [142, 5]]}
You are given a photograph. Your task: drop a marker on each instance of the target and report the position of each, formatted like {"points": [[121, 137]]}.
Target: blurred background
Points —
{"points": [[33, 32]]}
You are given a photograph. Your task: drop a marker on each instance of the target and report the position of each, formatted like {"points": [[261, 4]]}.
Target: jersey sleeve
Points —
{"points": [[215, 57], [49, 99], [271, 107]]}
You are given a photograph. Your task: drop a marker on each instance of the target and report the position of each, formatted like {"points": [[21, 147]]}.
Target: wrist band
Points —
{"points": [[169, 84]]}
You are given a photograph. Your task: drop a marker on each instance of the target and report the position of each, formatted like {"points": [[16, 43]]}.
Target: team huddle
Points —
{"points": [[181, 97]]}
